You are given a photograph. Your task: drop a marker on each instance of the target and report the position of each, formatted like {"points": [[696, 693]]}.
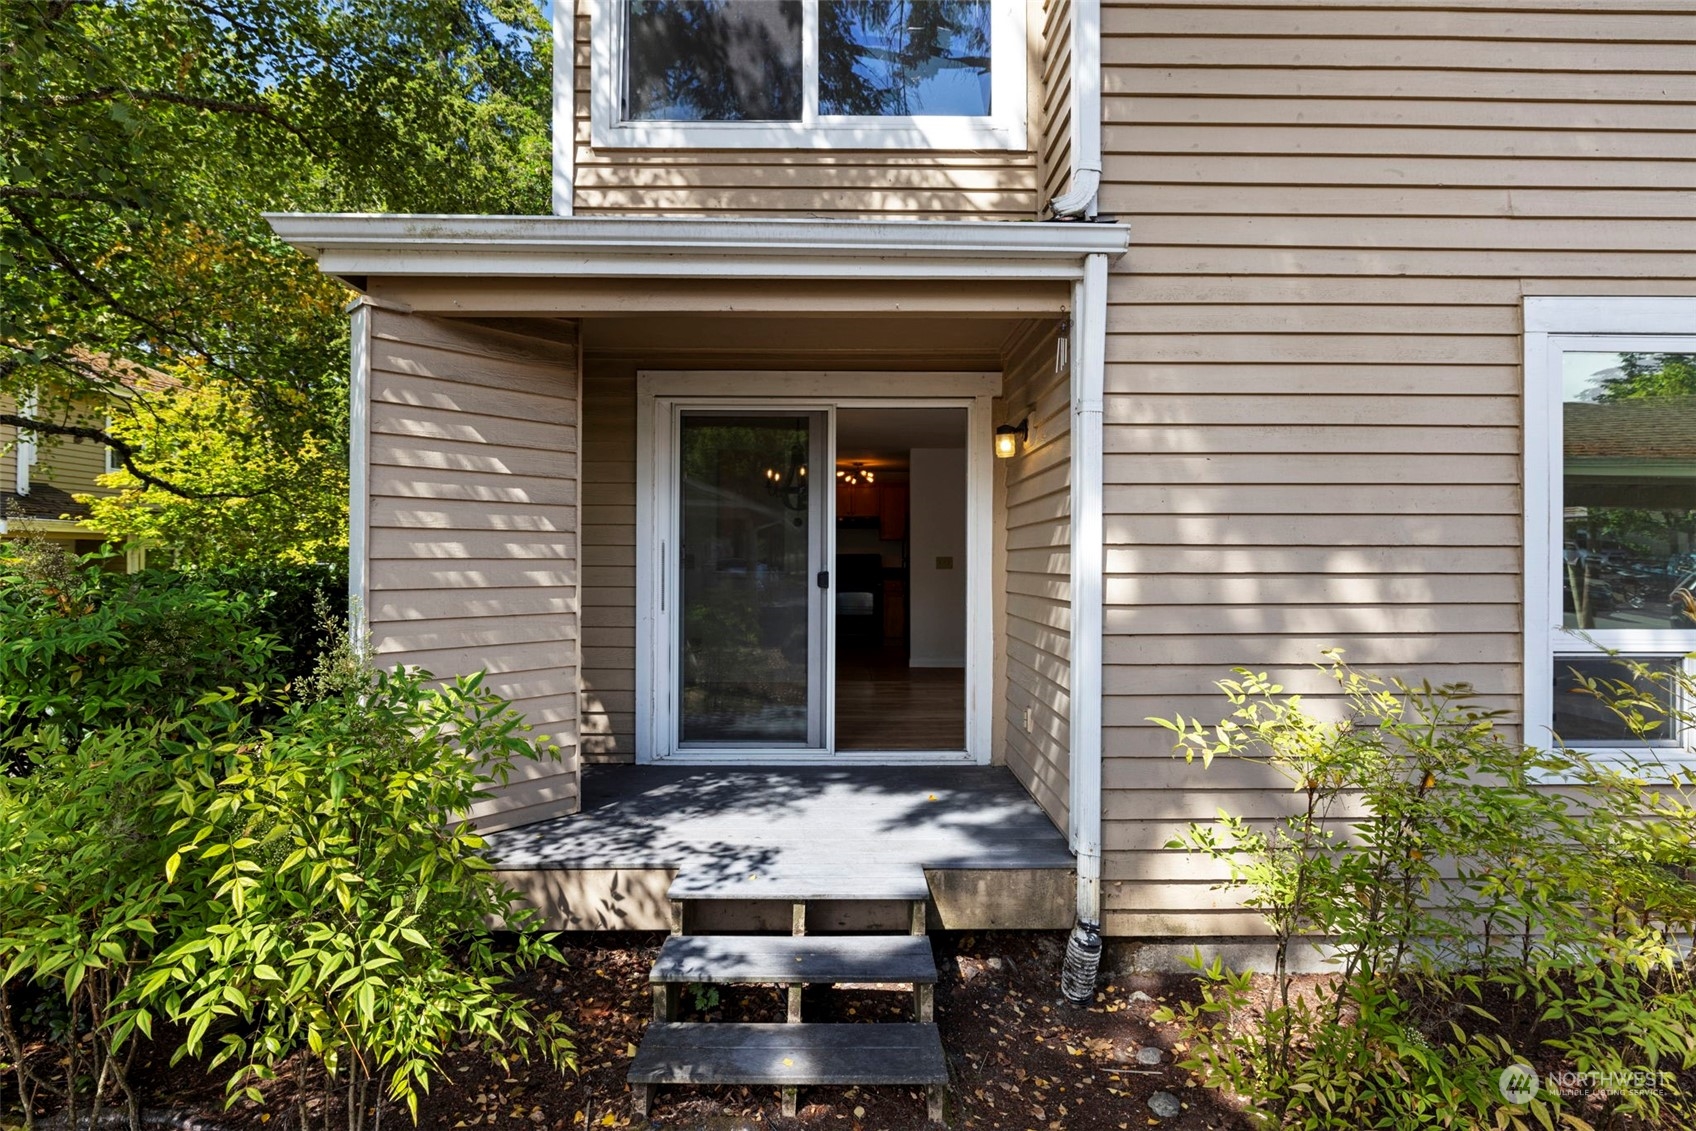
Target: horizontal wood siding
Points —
{"points": [[473, 520], [1054, 145], [609, 561], [804, 183], [1314, 356], [1037, 583]]}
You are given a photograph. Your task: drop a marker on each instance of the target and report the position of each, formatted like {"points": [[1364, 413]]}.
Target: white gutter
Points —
{"points": [[1089, 368], [543, 246], [564, 108], [1079, 202]]}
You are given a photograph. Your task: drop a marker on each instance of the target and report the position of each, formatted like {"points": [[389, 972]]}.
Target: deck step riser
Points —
{"points": [[815, 960], [789, 1055]]}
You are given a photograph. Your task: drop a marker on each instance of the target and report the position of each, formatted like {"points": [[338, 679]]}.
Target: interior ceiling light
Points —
{"points": [[855, 476]]}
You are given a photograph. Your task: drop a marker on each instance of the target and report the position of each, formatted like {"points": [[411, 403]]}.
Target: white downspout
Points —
{"points": [[564, 140], [1089, 346], [359, 471], [1079, 201]]}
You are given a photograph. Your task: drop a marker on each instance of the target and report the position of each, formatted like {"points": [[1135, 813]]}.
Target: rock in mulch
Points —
{"points": [[1149, 1056], [1165, 1105]]}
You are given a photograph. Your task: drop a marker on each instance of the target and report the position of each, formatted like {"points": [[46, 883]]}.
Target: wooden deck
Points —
{"points": [[990, 857]]}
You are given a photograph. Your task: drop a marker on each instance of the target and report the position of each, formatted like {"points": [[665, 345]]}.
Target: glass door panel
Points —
{"points": [[749, 555]]}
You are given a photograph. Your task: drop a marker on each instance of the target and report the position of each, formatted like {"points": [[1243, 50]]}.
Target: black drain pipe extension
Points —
{"points": [[1083, 960]]}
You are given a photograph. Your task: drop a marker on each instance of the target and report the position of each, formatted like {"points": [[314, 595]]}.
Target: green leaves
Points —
{"points": [[1420, 856]]}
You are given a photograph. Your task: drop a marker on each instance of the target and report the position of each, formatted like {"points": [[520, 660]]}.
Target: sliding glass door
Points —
{"points": [[751, 588]]}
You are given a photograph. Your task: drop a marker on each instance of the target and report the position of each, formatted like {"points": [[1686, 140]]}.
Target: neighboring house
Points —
{"points": [[1290, 378], [40, 479]]}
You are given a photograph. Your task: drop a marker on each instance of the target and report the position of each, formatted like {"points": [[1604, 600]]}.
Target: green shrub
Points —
{"points": [[278, 870], [338, 900], [85, 649], [290, 603], [1474, 914]]}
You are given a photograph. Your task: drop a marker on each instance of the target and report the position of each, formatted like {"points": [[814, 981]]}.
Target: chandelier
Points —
{"points": [[855, 476]]}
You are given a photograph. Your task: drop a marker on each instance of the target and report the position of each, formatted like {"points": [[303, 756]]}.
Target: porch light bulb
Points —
{"points": [[1009, 436]]}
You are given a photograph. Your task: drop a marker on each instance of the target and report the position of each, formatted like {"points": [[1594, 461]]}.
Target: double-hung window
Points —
{"points": [[851, 74], [1610, 491]]}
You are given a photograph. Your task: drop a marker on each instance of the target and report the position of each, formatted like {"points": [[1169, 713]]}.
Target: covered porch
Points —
{"points": [[988, 856], [581, 466]]}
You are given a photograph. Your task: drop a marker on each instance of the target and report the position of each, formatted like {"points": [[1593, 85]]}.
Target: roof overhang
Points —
{"points": [[361, 244]]}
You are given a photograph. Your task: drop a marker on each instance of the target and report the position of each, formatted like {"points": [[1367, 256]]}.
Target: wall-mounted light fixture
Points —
{"points": [[1008, 437]]}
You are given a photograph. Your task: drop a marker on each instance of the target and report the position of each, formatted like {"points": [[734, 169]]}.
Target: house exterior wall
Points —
{"points": [[1054, 119], [471, 532], [869, 184], [1035, 518], [1313, 383]]}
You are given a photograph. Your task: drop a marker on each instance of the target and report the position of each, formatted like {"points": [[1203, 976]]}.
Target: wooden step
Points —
{"points": [[851, 881], [718, 959]]}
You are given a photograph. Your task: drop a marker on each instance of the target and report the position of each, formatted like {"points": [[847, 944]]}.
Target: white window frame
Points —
{"points": [[1004, 129], [1555, 326], [113, 463]]}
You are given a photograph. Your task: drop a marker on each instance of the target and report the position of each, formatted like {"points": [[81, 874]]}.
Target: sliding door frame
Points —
{"points": [[661, 398]]}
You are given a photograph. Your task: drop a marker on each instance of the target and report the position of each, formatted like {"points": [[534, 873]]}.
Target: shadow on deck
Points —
{"points": [[990, 856]]}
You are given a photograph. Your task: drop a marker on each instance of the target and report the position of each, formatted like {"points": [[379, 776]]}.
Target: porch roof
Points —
{"points": [[354, 245]]}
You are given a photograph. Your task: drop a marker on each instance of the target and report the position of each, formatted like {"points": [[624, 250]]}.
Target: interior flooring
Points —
{"points": [[882, 704]]}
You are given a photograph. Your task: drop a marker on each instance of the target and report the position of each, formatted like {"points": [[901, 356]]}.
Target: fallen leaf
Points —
{"points": [[629, 1049]]}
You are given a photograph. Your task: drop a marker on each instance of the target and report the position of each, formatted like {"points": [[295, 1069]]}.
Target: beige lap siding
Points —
{"points": [[1054, 137], [805, 183], [1313, 410], [472, 541], [1037, 530]]}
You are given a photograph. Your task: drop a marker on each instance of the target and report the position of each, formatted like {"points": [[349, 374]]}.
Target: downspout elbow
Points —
{"points": [[1079, 203]]}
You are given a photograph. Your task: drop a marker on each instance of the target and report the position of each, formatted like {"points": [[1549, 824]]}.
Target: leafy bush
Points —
{"points": [[290, 603], [85, 649], [1473, 914], [279, 871], [339, 899]]}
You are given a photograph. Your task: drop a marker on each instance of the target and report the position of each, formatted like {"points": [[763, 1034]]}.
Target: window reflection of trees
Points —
{"points": [[1631, 527], [740, 60]]}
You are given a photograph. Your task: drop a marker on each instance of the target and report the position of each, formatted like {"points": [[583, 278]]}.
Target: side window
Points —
{"points": [[1611, 512], [809, 73]]}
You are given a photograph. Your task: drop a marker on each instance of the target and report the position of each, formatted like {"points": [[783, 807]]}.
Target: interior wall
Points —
{"points": [[937, 559]]}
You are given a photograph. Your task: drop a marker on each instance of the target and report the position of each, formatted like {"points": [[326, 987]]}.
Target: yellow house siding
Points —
{"points": [[472, 544], [806, 183], [1313, 383], [1037, 522]]}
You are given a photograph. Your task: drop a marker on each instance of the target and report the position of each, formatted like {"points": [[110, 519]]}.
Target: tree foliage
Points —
{"points": [[140, 141]]}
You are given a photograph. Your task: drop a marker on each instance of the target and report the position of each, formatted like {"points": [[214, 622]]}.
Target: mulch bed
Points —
{"points": [[1020, 1058]]}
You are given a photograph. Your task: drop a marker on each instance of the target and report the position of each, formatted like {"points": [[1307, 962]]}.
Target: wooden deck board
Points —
{"points": [[715, 825]]}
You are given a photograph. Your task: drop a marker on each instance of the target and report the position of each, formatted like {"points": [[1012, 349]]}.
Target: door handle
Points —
{"points": [[824, 579]]}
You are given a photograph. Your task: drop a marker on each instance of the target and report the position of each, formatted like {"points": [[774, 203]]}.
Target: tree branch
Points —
{"points": [[126, 453]]}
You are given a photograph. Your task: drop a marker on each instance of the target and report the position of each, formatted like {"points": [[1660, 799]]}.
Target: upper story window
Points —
{"points": [[1610, 487], [851, 74]]}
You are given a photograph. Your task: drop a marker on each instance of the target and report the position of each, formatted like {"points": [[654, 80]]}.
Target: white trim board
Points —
{"points": [[660, 394], [1554, 326], [357, 244]]}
